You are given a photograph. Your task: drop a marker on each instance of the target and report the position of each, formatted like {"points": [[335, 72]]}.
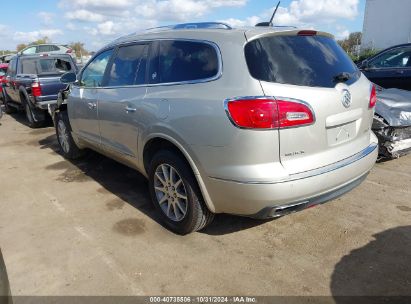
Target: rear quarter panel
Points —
{"points": [[194, 114]]}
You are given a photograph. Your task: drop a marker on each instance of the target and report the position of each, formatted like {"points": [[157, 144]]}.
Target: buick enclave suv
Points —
{"points": [[258, 122]]}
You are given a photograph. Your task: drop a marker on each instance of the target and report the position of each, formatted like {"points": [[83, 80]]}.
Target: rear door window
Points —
{"points": [[129, 66], [181, 61], [313, 61], [44, 48]]}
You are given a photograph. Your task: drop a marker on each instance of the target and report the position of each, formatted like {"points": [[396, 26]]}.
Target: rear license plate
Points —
{"points": [[341, 134]]}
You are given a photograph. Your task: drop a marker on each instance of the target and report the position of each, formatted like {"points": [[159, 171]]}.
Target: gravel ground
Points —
{"points": [[88, 228]]}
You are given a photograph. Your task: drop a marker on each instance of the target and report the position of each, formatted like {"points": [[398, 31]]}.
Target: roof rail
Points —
{"points": [[196, 25]]}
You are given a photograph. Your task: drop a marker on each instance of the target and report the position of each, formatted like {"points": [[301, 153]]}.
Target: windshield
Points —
{"points": [[315, 61], [46, 66]]}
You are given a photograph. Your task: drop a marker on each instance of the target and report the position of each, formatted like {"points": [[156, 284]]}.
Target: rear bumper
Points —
{"points": [[296, 192], [44, 105], [277, 211]]}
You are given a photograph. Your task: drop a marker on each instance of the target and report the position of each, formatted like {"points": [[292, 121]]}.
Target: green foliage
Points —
{"points": [[43, 40], [5, 52], [367, 53], [21, 47], [78, 48], [349, 44]]}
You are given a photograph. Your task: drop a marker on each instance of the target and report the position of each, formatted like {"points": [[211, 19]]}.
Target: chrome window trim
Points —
{"points": [[214, 78], [226, 101], [315, 172]]}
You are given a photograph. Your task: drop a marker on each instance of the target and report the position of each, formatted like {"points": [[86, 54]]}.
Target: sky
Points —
{"points": [[97, 22]]}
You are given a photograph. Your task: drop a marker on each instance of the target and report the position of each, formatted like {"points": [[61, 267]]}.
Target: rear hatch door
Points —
{"points": [[313, 69], [49, 69]]}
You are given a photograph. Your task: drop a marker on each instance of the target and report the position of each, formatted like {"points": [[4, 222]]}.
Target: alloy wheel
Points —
{"points": [[170, 192], [63, 136]]}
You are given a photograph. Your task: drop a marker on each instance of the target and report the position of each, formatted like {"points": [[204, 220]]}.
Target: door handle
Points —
{"points": [[130, 110], [92, 105], [399, 72]]}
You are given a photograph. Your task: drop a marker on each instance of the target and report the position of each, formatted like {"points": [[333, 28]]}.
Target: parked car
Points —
{"points": [[48, 49], [6, 58], [32, 84], [255, 122], [3, 71], [390, 68], [392, 122]]}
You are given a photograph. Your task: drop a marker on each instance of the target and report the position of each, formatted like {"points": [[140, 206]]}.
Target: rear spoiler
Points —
{"points": [[258, 33]]}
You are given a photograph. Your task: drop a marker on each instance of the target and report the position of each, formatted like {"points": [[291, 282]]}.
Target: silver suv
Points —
{"points": [[256, 122]]}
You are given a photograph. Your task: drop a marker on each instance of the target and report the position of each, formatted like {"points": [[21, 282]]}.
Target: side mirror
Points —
{"points": [[68, 78]]}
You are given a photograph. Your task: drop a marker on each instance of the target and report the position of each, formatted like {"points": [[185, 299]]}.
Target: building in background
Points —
{"points": [[386, 23]]}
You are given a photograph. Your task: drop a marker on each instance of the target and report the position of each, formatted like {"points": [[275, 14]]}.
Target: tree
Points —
{"points": [[20, 47], [43, 40], [350, 43], [78, 48]]}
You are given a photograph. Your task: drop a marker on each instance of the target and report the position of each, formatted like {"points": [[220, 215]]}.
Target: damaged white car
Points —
{"points": [[392, 122]]}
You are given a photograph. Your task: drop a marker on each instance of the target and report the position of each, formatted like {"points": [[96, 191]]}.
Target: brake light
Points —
{"points": [[36, 89], [373, 97], [268, 113], [307, 33], [69, 51]]}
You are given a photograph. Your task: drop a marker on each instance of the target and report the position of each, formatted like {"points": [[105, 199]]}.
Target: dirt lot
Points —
{"points": [[88, 228]]}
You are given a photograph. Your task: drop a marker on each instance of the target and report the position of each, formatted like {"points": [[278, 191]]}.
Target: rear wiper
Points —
{"points": [[342, 77]]}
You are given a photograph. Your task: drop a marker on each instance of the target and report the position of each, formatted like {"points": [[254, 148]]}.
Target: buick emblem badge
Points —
{"points": [[346, 98]]}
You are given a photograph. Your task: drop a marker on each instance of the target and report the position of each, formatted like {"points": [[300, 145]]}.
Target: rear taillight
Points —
{"points": [[294, 114], [307, 33], [268, 113], [373, 97], [69, 51], [36, 89]]}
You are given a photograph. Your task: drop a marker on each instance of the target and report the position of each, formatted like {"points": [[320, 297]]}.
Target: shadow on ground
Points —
{"points": [[130, 186], [5, 295], [380, 268], [21, 118]]}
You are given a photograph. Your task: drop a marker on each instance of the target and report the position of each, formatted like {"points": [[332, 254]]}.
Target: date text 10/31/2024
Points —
{"points": [[203, 300]]}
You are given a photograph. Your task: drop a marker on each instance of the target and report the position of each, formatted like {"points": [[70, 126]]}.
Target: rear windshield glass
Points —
{"points": [[314, 61], [41, 66]]}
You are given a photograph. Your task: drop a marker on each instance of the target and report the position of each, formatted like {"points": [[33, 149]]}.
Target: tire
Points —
{"points": [[35, 118], [7, 108], [184, 203], [68, 147]]}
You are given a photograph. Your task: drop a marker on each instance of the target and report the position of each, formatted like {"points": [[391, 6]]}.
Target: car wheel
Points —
{"points": [[7, 108], [37, 122], [66, 142], [176, 195]]}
